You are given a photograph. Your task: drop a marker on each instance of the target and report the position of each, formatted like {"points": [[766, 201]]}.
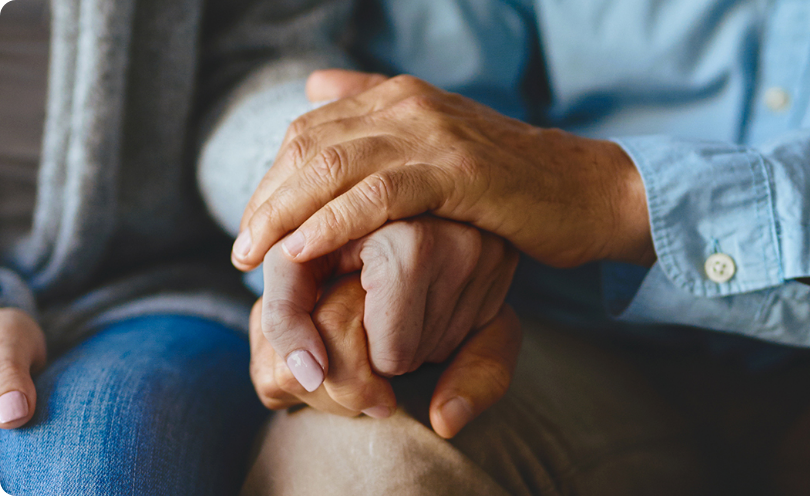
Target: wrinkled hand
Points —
{"points": [[477, 376], [404, 147], [22, 352], [429, 282]]}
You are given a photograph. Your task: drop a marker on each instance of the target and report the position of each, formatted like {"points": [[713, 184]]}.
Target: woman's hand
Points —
{"points": [[477, 376], [404, 147], [429, 283], [22, 352]]}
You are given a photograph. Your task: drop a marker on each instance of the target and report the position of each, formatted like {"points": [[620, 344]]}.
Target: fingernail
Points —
{"points": [[242, 245], [306, 370], [378, 412], [457, 413], [294, 245], [13, 406]]}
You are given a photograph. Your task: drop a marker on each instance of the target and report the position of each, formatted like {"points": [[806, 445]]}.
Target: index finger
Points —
{"points": [[290, 295], [378, 97]]}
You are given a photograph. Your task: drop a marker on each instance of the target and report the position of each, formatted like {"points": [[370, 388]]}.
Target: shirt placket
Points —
{"points": [[783, 90]]}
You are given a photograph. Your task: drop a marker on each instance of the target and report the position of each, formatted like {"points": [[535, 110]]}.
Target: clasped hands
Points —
{"points": [[426, 194]]}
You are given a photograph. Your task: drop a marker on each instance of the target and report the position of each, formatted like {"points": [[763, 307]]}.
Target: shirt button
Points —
{"points": [[720, 268], [777, 99]]}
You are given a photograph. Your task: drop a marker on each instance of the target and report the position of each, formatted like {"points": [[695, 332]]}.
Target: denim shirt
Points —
{"points": [[709, 98]]}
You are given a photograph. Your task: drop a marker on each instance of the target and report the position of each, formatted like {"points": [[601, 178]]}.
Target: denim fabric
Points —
{"points": [[687, 88], [159, 405]]}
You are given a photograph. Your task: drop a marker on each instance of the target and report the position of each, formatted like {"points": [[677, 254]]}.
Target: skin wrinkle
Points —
{"points": [[454, 149]]}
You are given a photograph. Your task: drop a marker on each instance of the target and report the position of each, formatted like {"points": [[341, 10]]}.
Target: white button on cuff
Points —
{"points": [[720, 268], [777, 99]]}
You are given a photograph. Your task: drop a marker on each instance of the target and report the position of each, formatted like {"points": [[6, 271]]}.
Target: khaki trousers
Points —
{"points": [[578, 420]]}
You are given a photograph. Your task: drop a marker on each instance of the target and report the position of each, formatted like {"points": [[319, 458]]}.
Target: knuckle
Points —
{"points": [[355, 393], [299, 125], [330, 164], [269, 394], [378, 189], [276, 313], [406, 82], [333, 220], [12, 371], [278, 319], [421, 103], [266, 215], [337, 315], [297, 150], [413, 243]]}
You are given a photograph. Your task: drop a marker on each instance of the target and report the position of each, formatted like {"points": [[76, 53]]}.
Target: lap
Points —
{"points": [[155, 405], [577, 420]]}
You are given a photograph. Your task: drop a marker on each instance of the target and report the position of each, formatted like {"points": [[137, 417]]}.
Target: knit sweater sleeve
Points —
{"points": [[245, 124]]}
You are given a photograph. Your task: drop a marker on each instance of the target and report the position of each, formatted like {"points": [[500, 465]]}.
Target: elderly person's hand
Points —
{"points": [[22, 352], [404, 147], [477, 376], [429, 283]]}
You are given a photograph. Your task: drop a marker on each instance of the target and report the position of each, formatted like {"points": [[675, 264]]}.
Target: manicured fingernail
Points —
{"points": [[306, 369], [294, 245], [378, 412], [242, 245], [13, 406], [457, 413]]}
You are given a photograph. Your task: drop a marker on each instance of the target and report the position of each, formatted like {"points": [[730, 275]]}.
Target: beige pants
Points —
{"points": [[577, 420]]}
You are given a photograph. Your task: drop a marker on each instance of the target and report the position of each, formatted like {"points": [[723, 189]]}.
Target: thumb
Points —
{"points": [[478, 376], [22, 351], [334, 84]]}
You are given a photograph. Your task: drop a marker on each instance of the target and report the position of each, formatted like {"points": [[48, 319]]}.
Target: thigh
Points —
{"points": [[578, 420], [158, 405]]}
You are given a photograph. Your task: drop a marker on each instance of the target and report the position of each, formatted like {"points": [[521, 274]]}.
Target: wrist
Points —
{"points": [[630, 238]]}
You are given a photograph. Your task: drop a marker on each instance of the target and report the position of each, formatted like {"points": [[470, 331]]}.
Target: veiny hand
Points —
{"points": [[404, 147], [22, 352], [477, 376], [429, 283]]}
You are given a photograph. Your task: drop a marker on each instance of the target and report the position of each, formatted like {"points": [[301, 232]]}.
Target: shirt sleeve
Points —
{"points": [[708, 198]]}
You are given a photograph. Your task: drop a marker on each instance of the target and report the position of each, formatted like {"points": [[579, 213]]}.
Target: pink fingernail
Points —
{"points": [[295, 244], [378, 412], [13, 406], [242, 245], [457, 413], [306, 369]]}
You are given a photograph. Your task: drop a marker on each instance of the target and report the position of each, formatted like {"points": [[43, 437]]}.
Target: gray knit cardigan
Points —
{"points": [[136, 90]]}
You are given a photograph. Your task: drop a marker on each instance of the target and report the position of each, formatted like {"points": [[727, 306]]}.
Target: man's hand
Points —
{"points": [[22, 352], [429, 282], [404, 147], [477, 376]]}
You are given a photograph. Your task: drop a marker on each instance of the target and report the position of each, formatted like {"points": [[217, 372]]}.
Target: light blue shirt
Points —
{"points": [[710, 98]]}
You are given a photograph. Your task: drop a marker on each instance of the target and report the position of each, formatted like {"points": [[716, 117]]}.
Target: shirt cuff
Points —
{"points": [[706, 198], [777, 314]]}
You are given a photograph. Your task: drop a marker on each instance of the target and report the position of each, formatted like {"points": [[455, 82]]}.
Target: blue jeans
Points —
{"points": [[159, 405]]}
